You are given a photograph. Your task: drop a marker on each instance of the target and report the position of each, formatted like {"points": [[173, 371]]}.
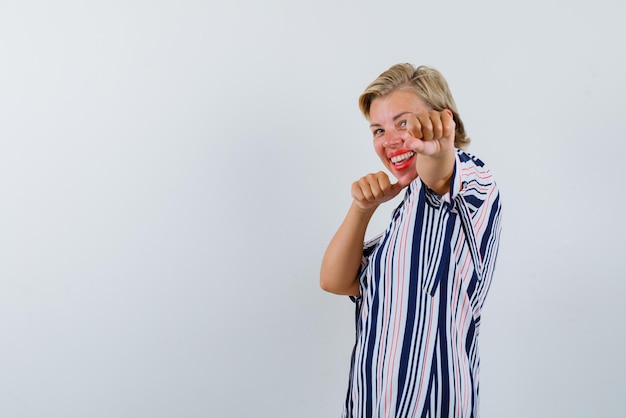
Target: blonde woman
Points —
{"points": [[419, 287]]}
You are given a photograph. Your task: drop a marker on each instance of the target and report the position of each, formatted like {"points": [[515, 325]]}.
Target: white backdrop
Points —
{"points": [[171, 172]]}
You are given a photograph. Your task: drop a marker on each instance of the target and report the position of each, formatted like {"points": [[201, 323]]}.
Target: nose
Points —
{"points": [[393, 138]]}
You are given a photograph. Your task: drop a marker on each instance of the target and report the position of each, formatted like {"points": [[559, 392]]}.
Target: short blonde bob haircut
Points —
{"points": [[427, 82]]}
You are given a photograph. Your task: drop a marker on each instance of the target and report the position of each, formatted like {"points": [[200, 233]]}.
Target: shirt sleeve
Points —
{"points": [[362, 274], [481, 196]]}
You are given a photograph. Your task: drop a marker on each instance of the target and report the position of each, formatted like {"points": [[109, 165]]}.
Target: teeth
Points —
{"points": [[402, 157]]}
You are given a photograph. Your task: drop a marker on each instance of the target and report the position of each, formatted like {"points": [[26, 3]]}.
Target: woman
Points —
{"points": [[419, 287]]}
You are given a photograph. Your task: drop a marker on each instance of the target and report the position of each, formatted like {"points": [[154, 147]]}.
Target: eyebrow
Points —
{"points": [[398, 116]]}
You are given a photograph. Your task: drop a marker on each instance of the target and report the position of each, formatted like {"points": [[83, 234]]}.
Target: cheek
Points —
{"points": [[378, 147]]}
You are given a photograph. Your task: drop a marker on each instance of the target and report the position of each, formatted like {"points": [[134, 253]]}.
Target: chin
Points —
{"points": [[405, 178]]}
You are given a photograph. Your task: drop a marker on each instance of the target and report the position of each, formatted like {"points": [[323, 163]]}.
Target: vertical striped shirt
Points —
{"points": [[423, 285]]}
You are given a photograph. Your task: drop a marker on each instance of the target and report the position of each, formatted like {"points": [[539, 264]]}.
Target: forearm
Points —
{"points": [[436, 171], [342, 258]]}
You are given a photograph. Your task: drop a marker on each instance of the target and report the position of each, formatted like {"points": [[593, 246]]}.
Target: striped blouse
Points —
{"points": [[423, 285]]}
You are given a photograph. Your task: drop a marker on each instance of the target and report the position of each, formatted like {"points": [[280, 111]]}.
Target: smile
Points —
{"points": [[399, 159]]}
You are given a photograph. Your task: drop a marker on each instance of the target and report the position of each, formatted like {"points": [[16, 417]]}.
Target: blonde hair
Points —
{"points": [[427, 82]]}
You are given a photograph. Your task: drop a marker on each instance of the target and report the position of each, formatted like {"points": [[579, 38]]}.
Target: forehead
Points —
{"points": [[394, 103]]}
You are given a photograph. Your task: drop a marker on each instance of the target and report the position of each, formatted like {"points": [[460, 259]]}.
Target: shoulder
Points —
{"points": [[477, 183], [472, 169]]}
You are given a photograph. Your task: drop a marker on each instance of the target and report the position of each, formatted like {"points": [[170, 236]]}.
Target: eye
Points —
{"points": [[378, 132], [402, 124]]}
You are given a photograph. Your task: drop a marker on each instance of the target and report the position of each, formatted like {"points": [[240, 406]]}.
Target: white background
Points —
{"points": [[171, 172]]}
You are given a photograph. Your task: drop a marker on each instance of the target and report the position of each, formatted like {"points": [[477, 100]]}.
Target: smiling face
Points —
{"points": [[388, 115]]}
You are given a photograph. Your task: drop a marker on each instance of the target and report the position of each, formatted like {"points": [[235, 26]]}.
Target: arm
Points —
{"points": [[436, 171], [343, 255]]}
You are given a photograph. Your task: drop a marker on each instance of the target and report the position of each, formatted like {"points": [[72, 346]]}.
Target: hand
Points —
{"points": [[373, 189], [430, 132]]}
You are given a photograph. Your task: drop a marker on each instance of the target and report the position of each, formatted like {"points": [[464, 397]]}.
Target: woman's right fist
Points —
{"points": [[373, 189]]}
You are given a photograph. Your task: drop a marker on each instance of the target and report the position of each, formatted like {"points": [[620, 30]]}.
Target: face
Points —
{"points": [[388, 117]]}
